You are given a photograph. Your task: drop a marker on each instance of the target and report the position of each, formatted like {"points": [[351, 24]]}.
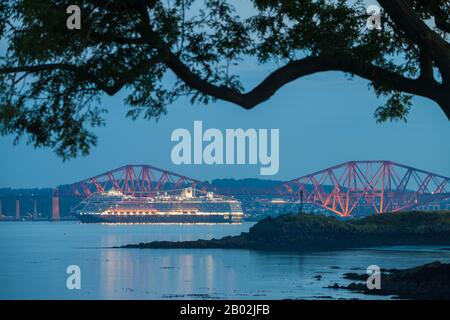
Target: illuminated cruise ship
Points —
{"points": [[188, 206]]}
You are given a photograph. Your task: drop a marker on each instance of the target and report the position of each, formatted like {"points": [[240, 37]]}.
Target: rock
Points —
{"points": [[429, 281], [356, 276]]}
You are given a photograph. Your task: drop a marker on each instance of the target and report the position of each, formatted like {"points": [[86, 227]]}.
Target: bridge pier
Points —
{"points": [[17, 209], [35, 211], [55, 206]]}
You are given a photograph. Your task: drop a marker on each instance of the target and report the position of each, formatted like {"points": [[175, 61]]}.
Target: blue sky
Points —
{"points": [[324, 119]]}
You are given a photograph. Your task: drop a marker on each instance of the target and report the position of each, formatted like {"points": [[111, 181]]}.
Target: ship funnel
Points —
{"points": [[187, 193]]}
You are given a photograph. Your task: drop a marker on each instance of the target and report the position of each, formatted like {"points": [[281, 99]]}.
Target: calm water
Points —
{"points": [[34, 257]]}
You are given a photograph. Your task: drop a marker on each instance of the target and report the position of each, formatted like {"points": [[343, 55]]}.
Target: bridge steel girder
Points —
{"points": [[381, 186], [134, 180]]}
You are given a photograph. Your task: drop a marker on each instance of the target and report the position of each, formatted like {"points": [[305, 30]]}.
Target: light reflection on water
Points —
{"points": [[35, 255]]}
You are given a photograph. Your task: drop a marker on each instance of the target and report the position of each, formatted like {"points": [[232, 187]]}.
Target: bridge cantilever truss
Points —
{"points": [[378, 186], [134, 180], [345, 189]]}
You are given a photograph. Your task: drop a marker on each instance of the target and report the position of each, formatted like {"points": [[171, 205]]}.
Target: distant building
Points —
{"points": [[434, 206]]}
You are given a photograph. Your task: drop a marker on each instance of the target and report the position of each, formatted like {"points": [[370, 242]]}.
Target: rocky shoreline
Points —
{"points": [[427, 282], [306, 232]]}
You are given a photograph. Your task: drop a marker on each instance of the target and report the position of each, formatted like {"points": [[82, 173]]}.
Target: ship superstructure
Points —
{"points": [[187, 205]]}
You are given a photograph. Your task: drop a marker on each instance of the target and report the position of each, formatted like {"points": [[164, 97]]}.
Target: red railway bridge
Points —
{"points": [[378, 186], [135, 180], [374, 186]]}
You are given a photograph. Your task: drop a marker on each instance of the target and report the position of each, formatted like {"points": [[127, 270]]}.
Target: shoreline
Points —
{"points": [[305, 232], [430, 281]]}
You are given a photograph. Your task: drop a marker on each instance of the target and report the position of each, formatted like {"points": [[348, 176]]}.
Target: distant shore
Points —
{"points": [[306, 232], [46, 219]]}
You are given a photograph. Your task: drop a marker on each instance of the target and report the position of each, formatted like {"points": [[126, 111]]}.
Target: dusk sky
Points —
{"points": [[323, 119]]}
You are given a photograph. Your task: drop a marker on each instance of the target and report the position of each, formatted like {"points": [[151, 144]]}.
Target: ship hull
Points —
{"points": [[155, 218]]}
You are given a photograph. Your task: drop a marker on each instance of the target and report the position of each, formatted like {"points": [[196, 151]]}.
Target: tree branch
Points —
{"points": [[36, 68], [81, 73], [108, 38], [280, 77], [441, 20], [423, 86], [429, 41], [426, 67]]}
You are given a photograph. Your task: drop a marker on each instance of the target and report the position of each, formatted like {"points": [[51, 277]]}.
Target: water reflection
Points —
{"points": [[36, 255]]}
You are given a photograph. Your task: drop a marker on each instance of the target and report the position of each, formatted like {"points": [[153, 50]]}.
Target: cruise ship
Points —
{"points": [[187, 206]]}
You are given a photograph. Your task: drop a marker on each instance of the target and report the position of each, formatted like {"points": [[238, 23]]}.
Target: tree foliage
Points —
{"points": [[52, 79]]}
